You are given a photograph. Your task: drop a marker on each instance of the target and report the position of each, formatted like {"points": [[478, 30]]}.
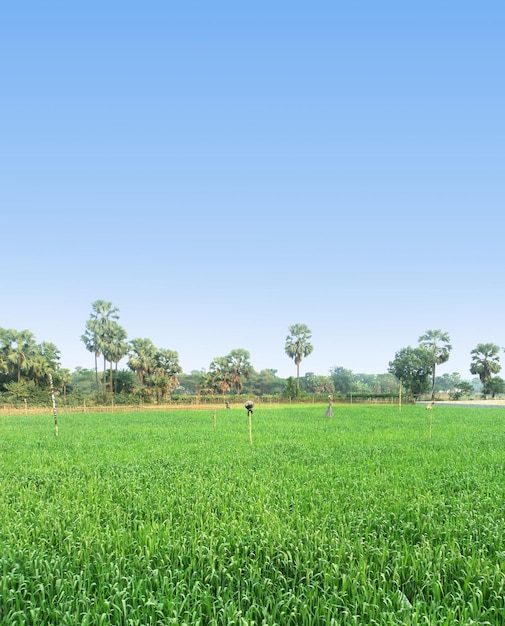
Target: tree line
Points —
{"points": [[154, 374]]}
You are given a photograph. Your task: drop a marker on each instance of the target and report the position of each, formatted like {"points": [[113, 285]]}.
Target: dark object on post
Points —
{"points": [[227, 404], [249, 406]]}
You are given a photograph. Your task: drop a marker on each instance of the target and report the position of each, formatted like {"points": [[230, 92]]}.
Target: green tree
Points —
{"points": [[290, 390], [219, 377], [298, 346], [90, 338], [46, 363], [460, 389], [413, 367], [485, 361], [166, 371], [343, 380], [317, 384], [494, 386], [104, 313], [436, 342], [23, 348], [142, 358], [114, 346], [239, 367]]}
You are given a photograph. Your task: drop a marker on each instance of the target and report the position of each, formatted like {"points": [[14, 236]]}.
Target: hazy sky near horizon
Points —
{"points": [[221, 170]]}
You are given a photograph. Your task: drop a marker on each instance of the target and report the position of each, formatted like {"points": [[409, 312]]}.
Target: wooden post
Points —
{"points": [[429, 407], [250, 427], [54, 405], [400, 397]]}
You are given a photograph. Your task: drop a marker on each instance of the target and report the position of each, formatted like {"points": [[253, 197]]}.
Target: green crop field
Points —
{"points": [[175, 518]]}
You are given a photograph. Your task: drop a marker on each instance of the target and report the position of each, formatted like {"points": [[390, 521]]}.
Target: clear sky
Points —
{"points": [[221, 170]]}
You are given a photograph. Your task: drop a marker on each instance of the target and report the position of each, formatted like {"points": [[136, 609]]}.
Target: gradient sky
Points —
{"points": [[220, 171]]}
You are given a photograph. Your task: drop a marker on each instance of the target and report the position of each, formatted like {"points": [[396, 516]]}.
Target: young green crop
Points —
{"points": [[170, 518]]}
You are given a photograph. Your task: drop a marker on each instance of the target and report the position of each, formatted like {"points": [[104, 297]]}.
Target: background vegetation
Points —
{"points": [[153, 375]]}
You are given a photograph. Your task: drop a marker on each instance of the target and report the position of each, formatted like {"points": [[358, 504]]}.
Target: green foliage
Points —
{"points": [[485, 361], [413, 367], [461, 389], [298, 346], [343, 380], [291, 390], [164, 518], [23, 360], [493, 386], [436, 342]]}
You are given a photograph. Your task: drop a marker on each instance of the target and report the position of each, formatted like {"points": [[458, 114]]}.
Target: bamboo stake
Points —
{"points": [[214, 420], [54, 405], [400, 398]]}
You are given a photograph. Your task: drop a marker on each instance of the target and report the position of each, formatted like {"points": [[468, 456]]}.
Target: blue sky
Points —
{"points": [[220, 171]]}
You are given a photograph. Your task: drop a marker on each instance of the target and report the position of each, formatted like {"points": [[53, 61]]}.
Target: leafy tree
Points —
{"points": [[343, 380], [317, 384], [26, 390], [290, 390], [413, 367], [83, 381], [265, 382], [461, 389], [437, 344], [297, 346], [494, 386], [191, 383], [125, 381], [228, 372], [485, 361]]}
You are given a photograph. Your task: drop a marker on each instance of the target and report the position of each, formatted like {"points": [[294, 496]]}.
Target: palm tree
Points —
{"points": [[114, 346], [485, 361], [90, 340], [219, 376], [167, 364], [97, 328], [142, 359], [298, 347], [45, 363], [23, 349], [437, 344], [238, 367], [104, 313]]}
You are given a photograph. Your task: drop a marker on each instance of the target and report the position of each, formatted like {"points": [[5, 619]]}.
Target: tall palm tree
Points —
{"points": [[485, 361], [298, 346], [97, 328], [166, 369], [5, 348], [437, 344], [103, 314], [114, 346], [142, 358], [90, 340], [23, 349]]}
